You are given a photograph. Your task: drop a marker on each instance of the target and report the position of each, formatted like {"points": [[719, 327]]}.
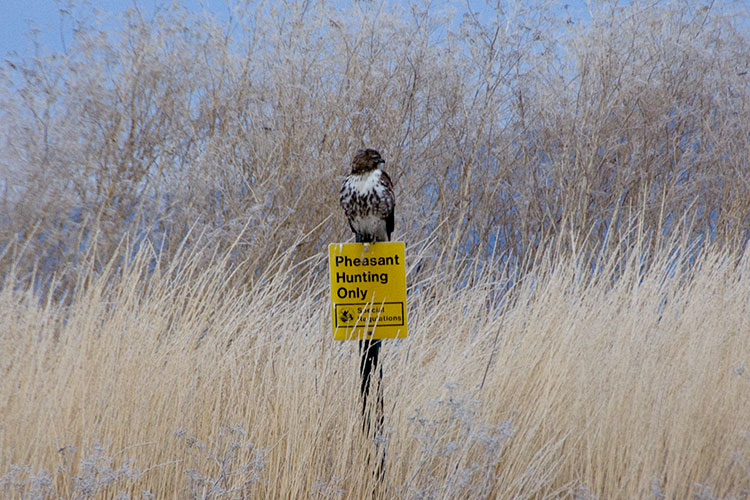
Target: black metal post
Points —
{"points": [[370, 351]]}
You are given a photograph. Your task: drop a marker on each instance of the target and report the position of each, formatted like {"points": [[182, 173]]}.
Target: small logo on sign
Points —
{"points": [[345, 316]]}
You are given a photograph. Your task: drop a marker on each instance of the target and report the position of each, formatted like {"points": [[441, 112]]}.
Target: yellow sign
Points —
{"points": [[368, 290]]}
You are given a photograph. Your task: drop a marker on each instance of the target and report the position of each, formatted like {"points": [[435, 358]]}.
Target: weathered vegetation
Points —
{"points": [[574, 194]]}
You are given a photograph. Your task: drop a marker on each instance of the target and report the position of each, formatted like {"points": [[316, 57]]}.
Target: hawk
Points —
{"points": [[367, 198]]}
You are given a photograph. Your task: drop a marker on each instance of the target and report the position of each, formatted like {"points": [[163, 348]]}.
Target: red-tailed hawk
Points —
{"points": [[367, 198]]}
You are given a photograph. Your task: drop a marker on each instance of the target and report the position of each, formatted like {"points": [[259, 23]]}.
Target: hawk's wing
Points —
{"points": [[389, 217]]}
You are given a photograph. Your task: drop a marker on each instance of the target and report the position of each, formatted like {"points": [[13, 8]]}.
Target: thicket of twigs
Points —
{"points": [[501, 128]]}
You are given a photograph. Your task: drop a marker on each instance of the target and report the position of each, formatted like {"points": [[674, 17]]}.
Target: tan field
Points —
{"points": [[171, 385]]}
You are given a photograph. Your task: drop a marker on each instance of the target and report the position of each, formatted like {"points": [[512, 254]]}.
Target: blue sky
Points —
{"points": [[17, 17]]}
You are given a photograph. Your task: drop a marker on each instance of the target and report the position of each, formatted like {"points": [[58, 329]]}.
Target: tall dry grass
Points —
{"points": [[166, 383]]}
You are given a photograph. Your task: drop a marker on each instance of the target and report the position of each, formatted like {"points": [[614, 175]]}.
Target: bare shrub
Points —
{"points": [[501, 129]]}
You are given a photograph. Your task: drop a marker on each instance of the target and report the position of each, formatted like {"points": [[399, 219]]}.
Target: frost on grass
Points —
{"points": [[455, 444], [582, 493], [328, 489], [96, 473], [22, 482], [705, 492], [224, 467]]}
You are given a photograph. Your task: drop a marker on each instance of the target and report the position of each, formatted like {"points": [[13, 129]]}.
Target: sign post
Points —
{"points": [[368, 303]]}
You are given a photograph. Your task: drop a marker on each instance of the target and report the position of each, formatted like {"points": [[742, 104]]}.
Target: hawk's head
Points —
{"points": [[366, 160]]}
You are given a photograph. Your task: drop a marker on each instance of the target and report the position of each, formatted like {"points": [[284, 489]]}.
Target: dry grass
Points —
{"points": [[172, 385]]}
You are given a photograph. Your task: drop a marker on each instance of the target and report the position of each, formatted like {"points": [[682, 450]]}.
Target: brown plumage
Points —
{"points": [[367, 198]]}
